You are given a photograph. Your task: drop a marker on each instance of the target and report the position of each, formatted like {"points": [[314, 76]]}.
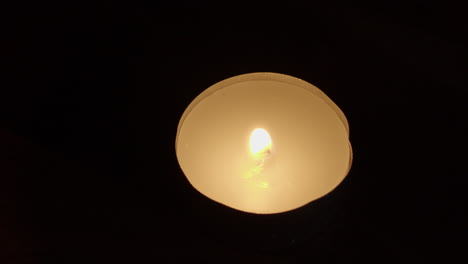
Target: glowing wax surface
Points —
{"points": [[263, 143]]}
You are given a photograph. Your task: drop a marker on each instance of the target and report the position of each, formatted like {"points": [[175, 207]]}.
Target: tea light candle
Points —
{"points": [[263, 143]]}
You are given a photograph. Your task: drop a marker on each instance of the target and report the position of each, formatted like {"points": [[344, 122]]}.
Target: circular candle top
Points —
{"points": [[263, 143]]}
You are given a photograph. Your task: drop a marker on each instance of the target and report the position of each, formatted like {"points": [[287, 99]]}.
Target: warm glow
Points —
{"points": [[260, 143], [225, 138]]}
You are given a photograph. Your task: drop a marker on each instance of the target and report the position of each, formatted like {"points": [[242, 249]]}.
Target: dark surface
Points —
{"points": [[88, 168]]}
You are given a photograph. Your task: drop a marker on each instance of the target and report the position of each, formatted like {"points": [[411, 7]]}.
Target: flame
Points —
{"points": [[260, 148], [260, 143]]}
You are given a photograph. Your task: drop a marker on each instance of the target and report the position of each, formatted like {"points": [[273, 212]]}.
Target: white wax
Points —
{"points": [[310, 152]]}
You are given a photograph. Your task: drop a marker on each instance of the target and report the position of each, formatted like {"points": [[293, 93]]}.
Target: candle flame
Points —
{"points": [[260, 143], [260, 148]]}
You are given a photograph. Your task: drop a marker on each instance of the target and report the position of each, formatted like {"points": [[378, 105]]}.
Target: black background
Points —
{"points": [[93, 95]]}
